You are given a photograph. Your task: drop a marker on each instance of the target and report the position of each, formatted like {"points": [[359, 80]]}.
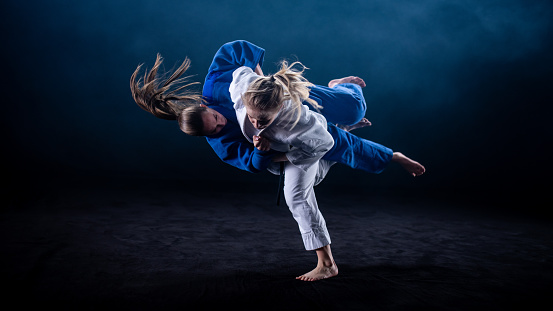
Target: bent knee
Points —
{"points": [[351, 110]]}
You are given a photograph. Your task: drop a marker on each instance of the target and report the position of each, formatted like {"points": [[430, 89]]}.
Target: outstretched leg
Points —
{"points": [[326, 267]]}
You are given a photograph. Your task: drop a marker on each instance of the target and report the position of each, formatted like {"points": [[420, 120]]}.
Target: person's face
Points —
{"points": [[213, 122], [260, 119]]}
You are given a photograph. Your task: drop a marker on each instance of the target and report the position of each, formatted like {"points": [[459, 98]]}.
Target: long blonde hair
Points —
{"points": [[169, 98], [268, 93]]}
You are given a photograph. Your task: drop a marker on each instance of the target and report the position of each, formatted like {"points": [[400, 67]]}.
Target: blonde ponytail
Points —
{"points": [[268, 93]]}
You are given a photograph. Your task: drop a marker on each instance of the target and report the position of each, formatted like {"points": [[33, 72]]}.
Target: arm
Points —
{"points": [[258, 70], [229, 57], [237, 54], [261, 143], [233, 148], [281, 157], [310, 139], [241, 80], [264, 144]]}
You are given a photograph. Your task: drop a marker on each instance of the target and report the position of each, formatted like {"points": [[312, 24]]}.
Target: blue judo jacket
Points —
{"points": [[233, 148], [230, 144]]}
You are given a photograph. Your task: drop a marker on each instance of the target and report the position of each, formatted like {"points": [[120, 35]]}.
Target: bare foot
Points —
{"points": [[319, 273], [326, 267], [363, 123], [350, 79], [413, 167]]}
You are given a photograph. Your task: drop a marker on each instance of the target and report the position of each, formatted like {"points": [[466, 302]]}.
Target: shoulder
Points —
{"points": [[242, 74], [290, 112], [241, 80]]}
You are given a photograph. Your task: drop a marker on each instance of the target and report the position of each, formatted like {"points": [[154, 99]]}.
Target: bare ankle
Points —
{"points": [[398, 156], [326, 263]]}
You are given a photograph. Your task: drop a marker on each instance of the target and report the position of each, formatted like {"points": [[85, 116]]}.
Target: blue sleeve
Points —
{"points": [[241, 154], [236, 54], [230, 56]]}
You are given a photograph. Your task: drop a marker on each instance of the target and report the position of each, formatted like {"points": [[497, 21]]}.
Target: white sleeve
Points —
{"points": [[241, 80], [310, 139]]}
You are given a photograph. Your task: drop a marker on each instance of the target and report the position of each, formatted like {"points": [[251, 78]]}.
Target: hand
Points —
{"points": [[261, 143]]}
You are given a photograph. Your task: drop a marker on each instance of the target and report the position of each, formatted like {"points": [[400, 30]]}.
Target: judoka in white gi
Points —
{"points": [[303, 136]]}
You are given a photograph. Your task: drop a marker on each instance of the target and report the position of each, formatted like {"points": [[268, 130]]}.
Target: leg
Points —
{"points": [[323, 168], [342, 104], [363, 154], [357, 152], [300, 197]]}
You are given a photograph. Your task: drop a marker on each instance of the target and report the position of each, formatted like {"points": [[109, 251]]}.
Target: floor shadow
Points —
{"points": [[356, 288]]}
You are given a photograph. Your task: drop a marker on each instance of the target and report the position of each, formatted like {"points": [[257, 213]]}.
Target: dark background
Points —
{"points": [[464, 87], [110, 208]]}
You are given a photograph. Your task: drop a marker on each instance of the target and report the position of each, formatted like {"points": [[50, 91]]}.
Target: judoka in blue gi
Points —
{"points": [[213, 115]]}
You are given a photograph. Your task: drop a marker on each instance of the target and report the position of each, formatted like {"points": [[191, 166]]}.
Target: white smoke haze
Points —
{"points": [[443, 76]]}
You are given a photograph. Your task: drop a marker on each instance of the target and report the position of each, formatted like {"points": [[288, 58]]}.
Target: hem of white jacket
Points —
{"points": [[315, 239]]}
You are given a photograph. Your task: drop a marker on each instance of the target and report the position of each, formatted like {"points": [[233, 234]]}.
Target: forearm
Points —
{"points": [[258, 70], [281, 157]]}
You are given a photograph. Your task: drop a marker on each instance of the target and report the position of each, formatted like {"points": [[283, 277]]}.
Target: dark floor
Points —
{"points": [[157, 248]]}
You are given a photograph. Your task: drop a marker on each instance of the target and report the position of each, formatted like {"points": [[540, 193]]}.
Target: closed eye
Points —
{"points": [[217, 126], [259, 121]]}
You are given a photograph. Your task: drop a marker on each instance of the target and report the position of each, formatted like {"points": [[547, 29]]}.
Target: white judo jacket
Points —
{"points": [[304, 144]]}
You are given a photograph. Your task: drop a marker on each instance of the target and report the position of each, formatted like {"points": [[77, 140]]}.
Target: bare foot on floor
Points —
{"points": [[363, 123], [413, 167], [350, 79], [319, 273]]}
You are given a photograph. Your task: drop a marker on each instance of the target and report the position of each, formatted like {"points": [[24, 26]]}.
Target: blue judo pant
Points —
{"points": [[344, 104]]}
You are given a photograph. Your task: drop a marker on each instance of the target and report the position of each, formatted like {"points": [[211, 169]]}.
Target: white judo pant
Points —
{"points": [[300, 197]]}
